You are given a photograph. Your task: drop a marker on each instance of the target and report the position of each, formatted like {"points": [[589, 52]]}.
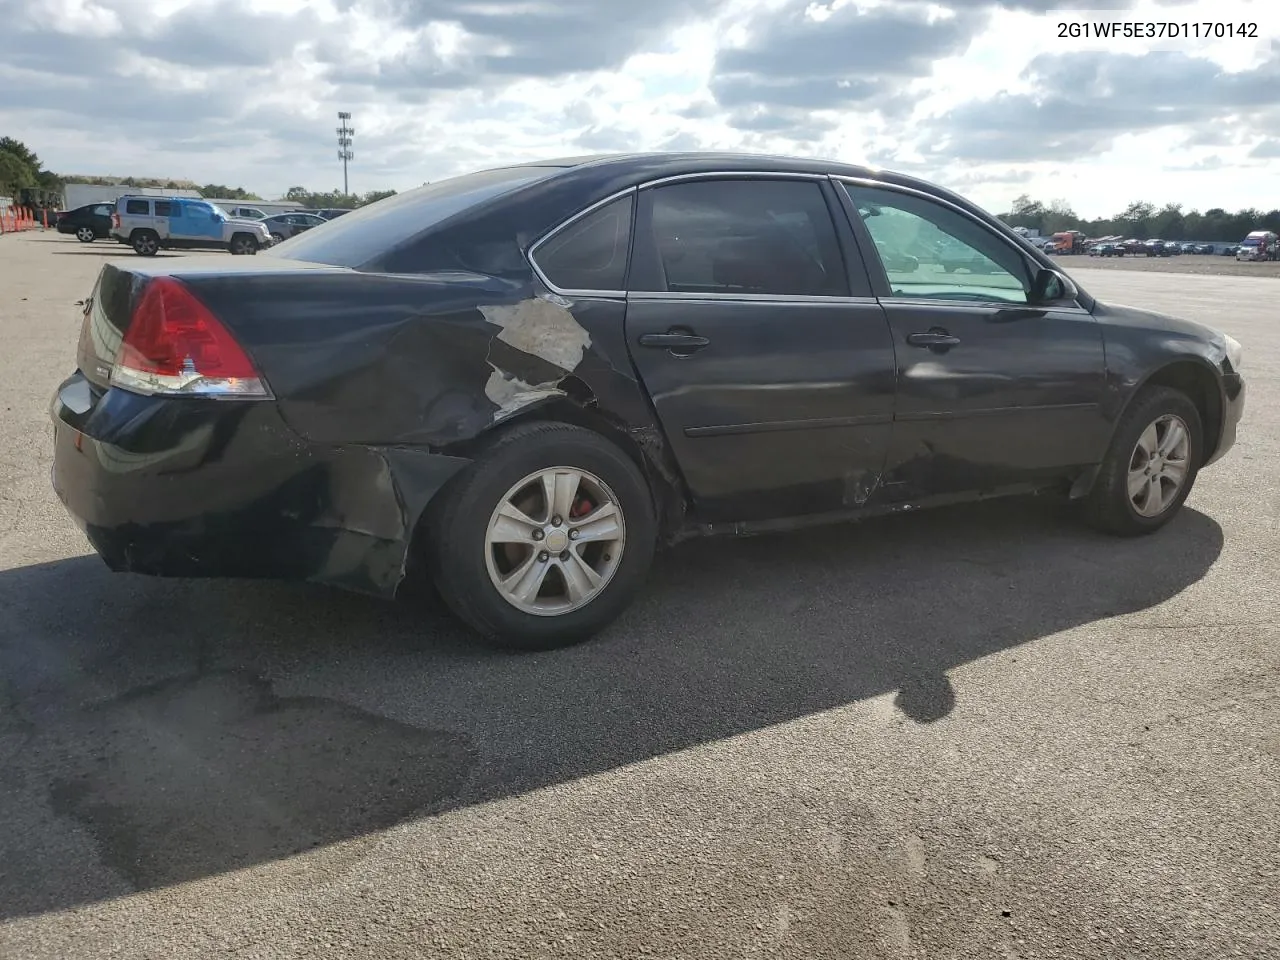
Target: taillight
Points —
{"points": [[175, 345], [115, 220]]}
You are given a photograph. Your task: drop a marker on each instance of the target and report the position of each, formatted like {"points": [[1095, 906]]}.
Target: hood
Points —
{"points": [[246, 222]]}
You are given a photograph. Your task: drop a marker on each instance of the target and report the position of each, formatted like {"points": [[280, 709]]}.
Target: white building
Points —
{"points": [[81, 194]]}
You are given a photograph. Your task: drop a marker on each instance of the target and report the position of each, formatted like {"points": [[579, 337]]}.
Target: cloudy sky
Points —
{"points": [[979, 95]]}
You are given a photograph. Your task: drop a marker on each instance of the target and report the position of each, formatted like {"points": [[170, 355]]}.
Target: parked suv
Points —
{"points": [[88, 223], [150, 224]]}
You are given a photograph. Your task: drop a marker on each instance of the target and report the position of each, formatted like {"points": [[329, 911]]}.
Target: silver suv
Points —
{"points": [[151, 224]]}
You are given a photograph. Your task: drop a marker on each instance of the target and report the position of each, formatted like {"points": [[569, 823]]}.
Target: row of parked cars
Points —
{"points": [[151, 224], [1258, 245]]}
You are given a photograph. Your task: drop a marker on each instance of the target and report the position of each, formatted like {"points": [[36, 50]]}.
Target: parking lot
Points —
{"points": [[975, 732]]}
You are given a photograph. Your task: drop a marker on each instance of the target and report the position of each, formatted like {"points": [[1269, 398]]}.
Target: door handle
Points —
{"points": [[934, 338], [674, 341]]}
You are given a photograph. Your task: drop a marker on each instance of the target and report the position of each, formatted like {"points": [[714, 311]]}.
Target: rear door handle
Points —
{"points": [[674, 341], [934, 338]]}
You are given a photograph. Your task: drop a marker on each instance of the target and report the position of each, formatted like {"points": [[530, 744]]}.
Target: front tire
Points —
{"points": [[1151, 466], [277, 238], [544, 539]]}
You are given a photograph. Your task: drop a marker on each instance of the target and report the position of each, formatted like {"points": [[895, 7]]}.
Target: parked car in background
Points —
{"points": [[246, 213], [151, 224], [1189, 248], [88, 223], [1156, 248], [1106, 250], [1134, 247], [1229, 250], [285, 225], [1259, 245], [529, 377], [330, 213]]}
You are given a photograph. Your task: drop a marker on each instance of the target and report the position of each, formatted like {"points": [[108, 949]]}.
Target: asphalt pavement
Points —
{"points": [[975, 732]]}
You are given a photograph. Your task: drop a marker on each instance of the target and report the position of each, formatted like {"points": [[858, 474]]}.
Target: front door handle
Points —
{"points": [[934, 338], [679, 342]]}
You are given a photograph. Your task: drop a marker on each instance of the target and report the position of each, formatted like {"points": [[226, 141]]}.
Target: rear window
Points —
{"points": [[140, 208], [366, 233]]}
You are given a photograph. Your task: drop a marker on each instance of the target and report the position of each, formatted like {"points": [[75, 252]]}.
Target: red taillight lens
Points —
{"points": [[115, 220], [176, 345]]}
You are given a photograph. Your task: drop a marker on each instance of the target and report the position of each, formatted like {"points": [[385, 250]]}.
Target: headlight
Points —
{"points": [[1235, 352]]}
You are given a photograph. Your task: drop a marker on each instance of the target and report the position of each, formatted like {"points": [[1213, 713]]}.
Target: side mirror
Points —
{"points": [[1051, 286]]}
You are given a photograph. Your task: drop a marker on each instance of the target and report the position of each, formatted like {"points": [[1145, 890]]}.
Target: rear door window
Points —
{"points": [[744, 237], [138, 208], [164, 208]]}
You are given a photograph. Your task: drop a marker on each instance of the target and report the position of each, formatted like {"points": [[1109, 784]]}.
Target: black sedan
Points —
{"points": [[285, 225], [524, 380], [88, 223]]}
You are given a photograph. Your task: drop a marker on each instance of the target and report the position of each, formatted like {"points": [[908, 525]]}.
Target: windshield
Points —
{"points": [[1251, 241], [366, 232]]}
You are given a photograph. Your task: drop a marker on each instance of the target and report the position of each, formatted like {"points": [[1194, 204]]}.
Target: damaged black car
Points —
{"points": [[530, 378]]}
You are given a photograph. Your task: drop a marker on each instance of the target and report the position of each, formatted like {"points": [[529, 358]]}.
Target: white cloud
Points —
{"points": [[981, 95]]}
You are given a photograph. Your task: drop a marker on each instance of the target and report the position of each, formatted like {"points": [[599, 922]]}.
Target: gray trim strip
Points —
{"points": [[733, 175], [660, 296], [777, 426], [989, 412]]}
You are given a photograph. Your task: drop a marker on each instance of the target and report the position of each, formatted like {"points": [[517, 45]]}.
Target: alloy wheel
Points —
{"points": [[554, 541], [1158, 466]]}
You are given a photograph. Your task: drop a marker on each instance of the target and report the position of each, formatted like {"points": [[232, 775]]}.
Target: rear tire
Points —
{"points": [[1149, 471], [243, 245], [578, 587], [146, 243], [85, 235]]}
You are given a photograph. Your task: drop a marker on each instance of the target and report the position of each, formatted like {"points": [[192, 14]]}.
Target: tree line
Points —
{"points": [[334, 199], [1143, 221], [23, 177]]}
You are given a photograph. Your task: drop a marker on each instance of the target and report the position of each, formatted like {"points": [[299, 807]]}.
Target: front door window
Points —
{"points": [[932, 252]]}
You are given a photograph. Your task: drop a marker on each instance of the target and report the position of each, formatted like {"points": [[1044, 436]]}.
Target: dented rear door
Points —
{"points": [[771, 370]]}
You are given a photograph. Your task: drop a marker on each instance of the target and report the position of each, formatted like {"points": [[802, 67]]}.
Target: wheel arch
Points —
{"points": [[1194, 377], [1189, 374], [576, 403]]}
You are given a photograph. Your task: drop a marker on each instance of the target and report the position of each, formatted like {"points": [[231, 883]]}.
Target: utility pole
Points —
{"points": [[345, 133]]}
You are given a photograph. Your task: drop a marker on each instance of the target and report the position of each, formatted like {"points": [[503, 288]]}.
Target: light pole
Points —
{"points": [[345, 133]]}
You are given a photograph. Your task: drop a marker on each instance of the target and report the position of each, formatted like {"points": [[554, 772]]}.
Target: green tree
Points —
{"points": [[22, 152], [16, 174], [223, 192]]}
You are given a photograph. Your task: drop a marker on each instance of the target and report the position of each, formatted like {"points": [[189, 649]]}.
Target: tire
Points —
{"points": [[243, 245], [464, 564], [145, 243], [1109, 505], [277, 238], [85, 234]]}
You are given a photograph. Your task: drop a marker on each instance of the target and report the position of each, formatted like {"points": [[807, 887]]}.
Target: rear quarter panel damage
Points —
{"points": [[422, 365]]}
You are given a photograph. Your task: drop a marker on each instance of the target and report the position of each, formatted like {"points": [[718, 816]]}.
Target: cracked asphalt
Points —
{"points": [[977, 732]]}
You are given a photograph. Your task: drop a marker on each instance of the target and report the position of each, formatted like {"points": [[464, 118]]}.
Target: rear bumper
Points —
{"points": [[202, 488]]}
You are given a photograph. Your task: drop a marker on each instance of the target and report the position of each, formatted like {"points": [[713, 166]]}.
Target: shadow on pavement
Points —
{"points": [[160, 731]]}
